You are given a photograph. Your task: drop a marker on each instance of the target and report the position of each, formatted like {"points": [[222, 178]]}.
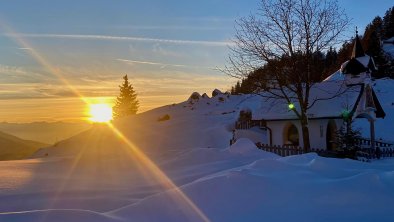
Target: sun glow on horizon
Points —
{"points": [[100, 113]]}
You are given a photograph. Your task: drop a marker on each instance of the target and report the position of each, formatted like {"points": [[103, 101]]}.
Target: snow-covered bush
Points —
{"points": [[216, 92], [195, 96]]}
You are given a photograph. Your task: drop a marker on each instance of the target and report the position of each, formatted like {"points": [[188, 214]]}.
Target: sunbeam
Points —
{"points": [[159, 174], [161, 177], [40, 59]]}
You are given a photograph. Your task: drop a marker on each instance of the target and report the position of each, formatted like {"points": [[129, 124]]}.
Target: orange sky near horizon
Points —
{"points": [[70, 109], [54, 52]]}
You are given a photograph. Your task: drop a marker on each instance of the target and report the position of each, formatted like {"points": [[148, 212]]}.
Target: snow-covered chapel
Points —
{"points": [[346, 94]]}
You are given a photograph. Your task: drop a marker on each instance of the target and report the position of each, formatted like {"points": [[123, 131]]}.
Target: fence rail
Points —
{"points": [[287, 150], [366, 143], [249, 124], [364, 154]]}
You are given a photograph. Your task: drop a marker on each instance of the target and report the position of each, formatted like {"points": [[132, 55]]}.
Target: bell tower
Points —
{"points": [[358, 69]]}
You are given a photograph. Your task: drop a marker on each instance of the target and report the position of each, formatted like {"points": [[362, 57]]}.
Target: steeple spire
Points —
{"points": [[358, 50]]}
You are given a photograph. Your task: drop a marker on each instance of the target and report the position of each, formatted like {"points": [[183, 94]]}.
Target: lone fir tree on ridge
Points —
{"points": [[126, 103]]}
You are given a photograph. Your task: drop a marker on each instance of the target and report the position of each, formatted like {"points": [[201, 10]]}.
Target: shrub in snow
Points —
{"points": [[164, 118], [195, 96], [205, 96], [347, 140], [216, 92], [221, 99]]}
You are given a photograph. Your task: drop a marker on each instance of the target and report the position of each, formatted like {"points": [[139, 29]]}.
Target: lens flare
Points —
{"points": [[181, 198]]}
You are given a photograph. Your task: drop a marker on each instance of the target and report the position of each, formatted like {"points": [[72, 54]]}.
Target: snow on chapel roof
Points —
{"points": [[331, 97], [328, 99], [336, 76]]}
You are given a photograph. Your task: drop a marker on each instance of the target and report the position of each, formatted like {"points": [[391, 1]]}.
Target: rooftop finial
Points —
{"points": [[358, 50]]}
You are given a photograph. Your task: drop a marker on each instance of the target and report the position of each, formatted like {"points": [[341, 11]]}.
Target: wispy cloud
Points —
{"points": [[162, 65], [177, 28], [211, 19], [18, 74], [28, 49], [120, 38]]}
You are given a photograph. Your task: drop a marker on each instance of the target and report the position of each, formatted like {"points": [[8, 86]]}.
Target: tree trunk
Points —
{"points": [[305, 133]]}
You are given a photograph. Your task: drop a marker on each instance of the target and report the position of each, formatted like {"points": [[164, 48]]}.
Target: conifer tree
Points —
{"points": [[372, 44], [388, 23], [238, 88], [330, 63], [126, 103]]}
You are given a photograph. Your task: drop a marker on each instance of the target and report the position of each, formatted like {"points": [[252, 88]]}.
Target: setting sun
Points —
{"points": [[100, 113]]}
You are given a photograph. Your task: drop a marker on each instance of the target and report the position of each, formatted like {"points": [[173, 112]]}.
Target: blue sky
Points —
{"points": [[168, 48]]}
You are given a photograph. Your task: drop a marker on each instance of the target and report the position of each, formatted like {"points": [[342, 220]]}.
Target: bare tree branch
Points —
{"points": [[284, 38]]}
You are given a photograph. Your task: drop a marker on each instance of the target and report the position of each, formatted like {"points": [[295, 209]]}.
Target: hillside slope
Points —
{"points": [[206, 122], [196, 123], [13, 148], [174, 163]]}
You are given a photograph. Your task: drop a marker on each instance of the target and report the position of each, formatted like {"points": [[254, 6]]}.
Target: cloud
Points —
{"points": [[28, 49], [4, 69], [120, 38], [158, 49], [150, 63], [210, 19], [162, 65], [42, 90], [17, 74], [176, 27]]}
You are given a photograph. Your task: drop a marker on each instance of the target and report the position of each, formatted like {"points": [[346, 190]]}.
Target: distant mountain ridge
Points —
{"points": [[13, 148], [44, 132]]}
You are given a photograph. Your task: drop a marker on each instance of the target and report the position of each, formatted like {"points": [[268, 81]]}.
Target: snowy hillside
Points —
{"points": [[204, 122], [174, 164]]}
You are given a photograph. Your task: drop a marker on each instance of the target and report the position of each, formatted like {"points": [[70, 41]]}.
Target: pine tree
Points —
{"points": [[126, 103], [347, 138], [372, 44], [372, 37], [344, 52], [232, 91], [330, 62], [388, 23], [238, 88]]}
